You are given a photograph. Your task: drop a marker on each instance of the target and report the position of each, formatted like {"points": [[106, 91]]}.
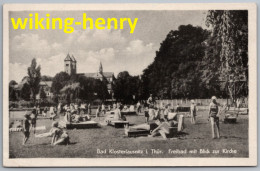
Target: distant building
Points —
{"points": [[46, 86], [70, 67]]}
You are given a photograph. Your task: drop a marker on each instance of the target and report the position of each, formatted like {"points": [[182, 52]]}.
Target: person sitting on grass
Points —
{"points": [[64, 139], [166, 110], [26, 128], [55, 132], [125, 109], [116, 116], [153, 113], [132, 108], [164, 126], [45, 112], [150, 125], [52, 113]]}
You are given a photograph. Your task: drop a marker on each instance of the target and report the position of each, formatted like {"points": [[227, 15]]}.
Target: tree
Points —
{"points": [[59, 81], [12, 94], [127, 86], [72, 89], [42, 94], [34, 78], [12, 91], [230, 35], [175, 71], [25, 92], [12, 83]]}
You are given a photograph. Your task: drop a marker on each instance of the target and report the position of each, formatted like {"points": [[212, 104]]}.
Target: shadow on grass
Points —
{"points": [[228, 137]]}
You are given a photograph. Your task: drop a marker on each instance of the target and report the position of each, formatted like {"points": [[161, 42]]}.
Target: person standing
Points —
{"points": [[33, 118], [98, 112], [177, 108], [59, 108], [89, 109], [26, 128], [193, 111], [138, 106], [214, 117], [114, 106], [150, 100], [103, 109], [38, 109]]}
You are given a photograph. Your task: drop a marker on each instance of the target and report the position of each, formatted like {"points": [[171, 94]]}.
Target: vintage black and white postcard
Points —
{"points": [[129, 85]]}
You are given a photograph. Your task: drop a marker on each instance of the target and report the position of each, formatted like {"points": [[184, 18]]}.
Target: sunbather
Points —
{"points": [[164, 127], [58, 135], [53, 130], [63, 139], [116, 116]]}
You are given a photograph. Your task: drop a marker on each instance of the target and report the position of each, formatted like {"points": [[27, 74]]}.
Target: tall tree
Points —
{"points": [[25, 92], [230, 35], [34, 78], [175, 71]]}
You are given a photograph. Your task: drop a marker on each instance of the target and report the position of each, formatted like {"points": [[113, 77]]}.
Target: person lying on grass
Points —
{"points": [[58, 135]]}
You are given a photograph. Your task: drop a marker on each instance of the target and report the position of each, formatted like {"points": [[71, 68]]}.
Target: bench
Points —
{"points": [[118, 124], [128, 113], [82, 125], [230, 119], [137, 133]]}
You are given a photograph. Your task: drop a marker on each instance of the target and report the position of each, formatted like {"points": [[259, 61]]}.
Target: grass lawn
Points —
{"points": [[85, 143]]}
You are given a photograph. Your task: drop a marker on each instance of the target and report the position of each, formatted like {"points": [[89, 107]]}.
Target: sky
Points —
{"points": [[118, 50]]}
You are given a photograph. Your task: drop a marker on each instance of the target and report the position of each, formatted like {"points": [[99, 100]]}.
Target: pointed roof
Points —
{"points": [[73, 58], [100, 68], [68, 58]]}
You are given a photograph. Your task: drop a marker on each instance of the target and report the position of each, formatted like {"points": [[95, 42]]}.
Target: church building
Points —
{"points": [[70, 67]]}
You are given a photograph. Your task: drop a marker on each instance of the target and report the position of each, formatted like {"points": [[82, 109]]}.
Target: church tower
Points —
{"points": [[100, 69], [70, 65], [74, 65]]}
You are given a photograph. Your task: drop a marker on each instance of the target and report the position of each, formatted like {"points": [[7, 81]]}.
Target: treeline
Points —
{"points": [[79, 87]]}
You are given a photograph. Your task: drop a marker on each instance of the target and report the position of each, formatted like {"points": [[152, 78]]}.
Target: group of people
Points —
{"points": [[75, 114], [158, 119], [160, 113], [29, 123], [59, 135]]}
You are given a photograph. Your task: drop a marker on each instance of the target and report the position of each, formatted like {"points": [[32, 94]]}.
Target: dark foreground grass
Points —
{"points": [[87, 143]]}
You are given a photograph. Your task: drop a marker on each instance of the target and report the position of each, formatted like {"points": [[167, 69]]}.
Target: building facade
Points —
{"points": [[70, 67]]}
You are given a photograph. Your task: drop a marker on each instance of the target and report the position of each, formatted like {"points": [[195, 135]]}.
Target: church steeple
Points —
{"points": [[70, 64], [100, 68]]}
